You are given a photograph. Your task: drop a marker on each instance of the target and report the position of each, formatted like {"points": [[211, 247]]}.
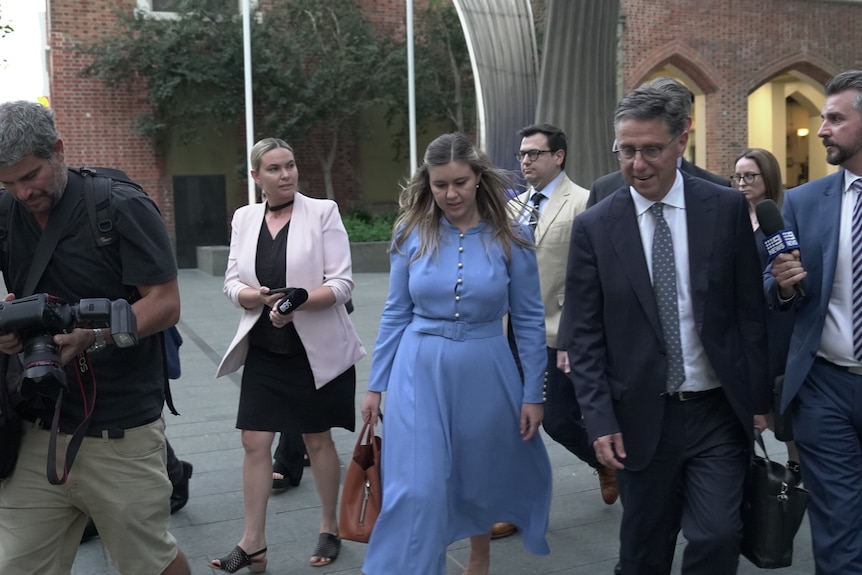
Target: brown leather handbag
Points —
{"points": [[362, 495]]}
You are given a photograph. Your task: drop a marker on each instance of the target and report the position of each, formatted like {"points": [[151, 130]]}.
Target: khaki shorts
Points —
{"points": [[121, 483]]}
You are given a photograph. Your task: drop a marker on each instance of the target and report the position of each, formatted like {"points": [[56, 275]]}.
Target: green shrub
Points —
{"points": [[366, 227]]}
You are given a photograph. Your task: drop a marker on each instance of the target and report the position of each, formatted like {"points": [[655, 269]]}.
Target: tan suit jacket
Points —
{"points": [[553, 233], [318, 253]]}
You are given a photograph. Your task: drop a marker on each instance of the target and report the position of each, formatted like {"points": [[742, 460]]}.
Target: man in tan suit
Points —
{"points": [[549, 205]]}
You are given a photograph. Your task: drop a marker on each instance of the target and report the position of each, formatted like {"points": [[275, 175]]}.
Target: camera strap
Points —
{"points": [[82, 360]]}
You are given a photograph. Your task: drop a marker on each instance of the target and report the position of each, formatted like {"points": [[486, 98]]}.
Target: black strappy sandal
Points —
{"points": [[239, 559], [328, 546]]}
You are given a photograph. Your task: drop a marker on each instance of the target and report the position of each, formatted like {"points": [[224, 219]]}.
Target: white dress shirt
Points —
{"points": [[547, 191], [699, 375], [836, 341]]}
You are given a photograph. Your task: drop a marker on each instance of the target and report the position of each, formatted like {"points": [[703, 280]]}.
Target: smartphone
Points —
{"points": [[280, 290]]}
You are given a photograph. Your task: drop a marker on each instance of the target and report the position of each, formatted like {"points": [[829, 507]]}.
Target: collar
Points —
{"points": [[849, 178], [674, 198], [548, 189]]}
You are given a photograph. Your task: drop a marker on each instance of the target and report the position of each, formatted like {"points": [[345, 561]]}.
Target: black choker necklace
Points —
{"points": [[279, 206]]}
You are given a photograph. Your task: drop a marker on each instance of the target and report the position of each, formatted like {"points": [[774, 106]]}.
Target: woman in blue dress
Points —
{"points": [[461, 448]]}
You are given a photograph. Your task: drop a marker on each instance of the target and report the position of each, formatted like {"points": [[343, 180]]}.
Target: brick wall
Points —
{"points": [[731, 47], [97, 122]]}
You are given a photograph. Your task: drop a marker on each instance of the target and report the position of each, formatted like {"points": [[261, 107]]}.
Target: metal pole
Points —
{"points": [[411, 88], [249, 112]]}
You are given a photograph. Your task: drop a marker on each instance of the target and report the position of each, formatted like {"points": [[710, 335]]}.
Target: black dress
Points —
{"points": [[278, 392]]}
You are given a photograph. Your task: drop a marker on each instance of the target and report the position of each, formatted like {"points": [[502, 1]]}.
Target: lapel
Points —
{"points": [[700, 207], [251, 230], [829, 210], [555, 205], [624, 233]]}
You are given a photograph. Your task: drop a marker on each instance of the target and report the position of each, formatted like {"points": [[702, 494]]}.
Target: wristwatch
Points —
{"points": [[100, 342]]}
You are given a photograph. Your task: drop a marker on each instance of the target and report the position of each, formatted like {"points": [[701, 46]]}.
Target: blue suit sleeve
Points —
{"points": [[584, 323], [770, 286]]}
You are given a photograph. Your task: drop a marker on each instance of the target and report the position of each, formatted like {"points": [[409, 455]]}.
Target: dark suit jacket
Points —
{"points": [[609, 183], [813, 212], [610, 325]]}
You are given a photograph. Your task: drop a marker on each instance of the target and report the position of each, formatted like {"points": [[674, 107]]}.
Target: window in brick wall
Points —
{"points": [[171, 6]]}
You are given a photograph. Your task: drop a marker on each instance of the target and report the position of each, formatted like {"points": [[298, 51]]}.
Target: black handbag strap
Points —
{"points": [[758, 440]]}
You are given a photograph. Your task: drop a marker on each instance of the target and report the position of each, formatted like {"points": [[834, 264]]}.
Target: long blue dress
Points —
{"points": [[454, 462]]}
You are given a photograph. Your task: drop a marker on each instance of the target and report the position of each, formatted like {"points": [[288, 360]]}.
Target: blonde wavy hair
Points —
{"points": [[419, 211]]}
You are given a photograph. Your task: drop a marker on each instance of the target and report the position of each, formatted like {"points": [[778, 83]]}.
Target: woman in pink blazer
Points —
{"points": [[299, 368]]}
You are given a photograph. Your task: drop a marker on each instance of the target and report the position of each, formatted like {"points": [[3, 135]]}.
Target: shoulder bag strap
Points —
{"points": [[44, 249], [48, 242]]}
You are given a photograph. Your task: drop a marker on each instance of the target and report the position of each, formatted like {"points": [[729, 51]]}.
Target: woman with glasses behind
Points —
{"points": [[758, 177]]}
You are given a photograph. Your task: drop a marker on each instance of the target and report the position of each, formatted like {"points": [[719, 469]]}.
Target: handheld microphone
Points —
{"points": [[293, 298], [778, 238]]}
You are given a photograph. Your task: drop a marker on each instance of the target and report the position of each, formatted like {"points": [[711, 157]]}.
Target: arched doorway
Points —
{"points": [[783, 117], [697, 134]]}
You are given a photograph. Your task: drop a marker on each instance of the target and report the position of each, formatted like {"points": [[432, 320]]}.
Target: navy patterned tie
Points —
{"points": [[856, 262], [664, 285], [536, 200]]}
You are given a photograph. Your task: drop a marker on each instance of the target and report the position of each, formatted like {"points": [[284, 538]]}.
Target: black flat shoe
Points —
{"points": [[291, 475], [180, 495]]}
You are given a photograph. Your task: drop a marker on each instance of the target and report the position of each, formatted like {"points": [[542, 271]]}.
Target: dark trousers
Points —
{"points": [[695, 482], [827, 428], [175, 466], [290, 455], [563, 421]]}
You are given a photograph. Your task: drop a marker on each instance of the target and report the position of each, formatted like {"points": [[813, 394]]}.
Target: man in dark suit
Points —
{"points": [[669, 379], [609, 183], [824, 367]]}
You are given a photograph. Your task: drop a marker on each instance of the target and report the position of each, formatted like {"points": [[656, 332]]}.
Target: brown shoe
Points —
{"points": [[608, 484], [500, 530]]}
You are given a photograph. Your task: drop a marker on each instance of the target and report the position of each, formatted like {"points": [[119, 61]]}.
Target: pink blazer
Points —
{"points": [[318, 253]]}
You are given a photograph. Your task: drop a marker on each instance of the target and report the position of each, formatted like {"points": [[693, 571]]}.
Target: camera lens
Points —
{"points": [[42, 369]]}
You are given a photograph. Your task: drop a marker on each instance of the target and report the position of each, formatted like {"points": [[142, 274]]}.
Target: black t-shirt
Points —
{"points": [[130, 382]]}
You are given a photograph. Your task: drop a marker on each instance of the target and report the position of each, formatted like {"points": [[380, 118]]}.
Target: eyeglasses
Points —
{"points": [[747, 178], [649, 153], [532, 154]]}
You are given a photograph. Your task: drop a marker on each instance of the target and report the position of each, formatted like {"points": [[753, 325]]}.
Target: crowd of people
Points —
{"points": [[642, 323]]}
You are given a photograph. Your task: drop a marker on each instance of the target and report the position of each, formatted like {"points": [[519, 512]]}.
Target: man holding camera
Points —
{"points": [[119, 476]]}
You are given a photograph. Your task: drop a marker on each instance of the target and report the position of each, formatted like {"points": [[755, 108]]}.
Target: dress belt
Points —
{"points": [[692, 395], [457, 330], [854, 369]]}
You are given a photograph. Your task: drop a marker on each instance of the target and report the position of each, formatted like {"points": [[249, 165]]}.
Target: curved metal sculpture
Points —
{"points": [[576, 89], [502, 45]]}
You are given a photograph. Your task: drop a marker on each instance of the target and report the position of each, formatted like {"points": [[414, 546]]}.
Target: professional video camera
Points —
{"points": [[39, 317]]}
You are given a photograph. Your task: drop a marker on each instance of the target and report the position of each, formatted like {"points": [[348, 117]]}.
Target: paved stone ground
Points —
{"points": [[583, 530]]}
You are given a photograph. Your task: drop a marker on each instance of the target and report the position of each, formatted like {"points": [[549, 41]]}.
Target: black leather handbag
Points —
{"points": [[772, 510]]}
